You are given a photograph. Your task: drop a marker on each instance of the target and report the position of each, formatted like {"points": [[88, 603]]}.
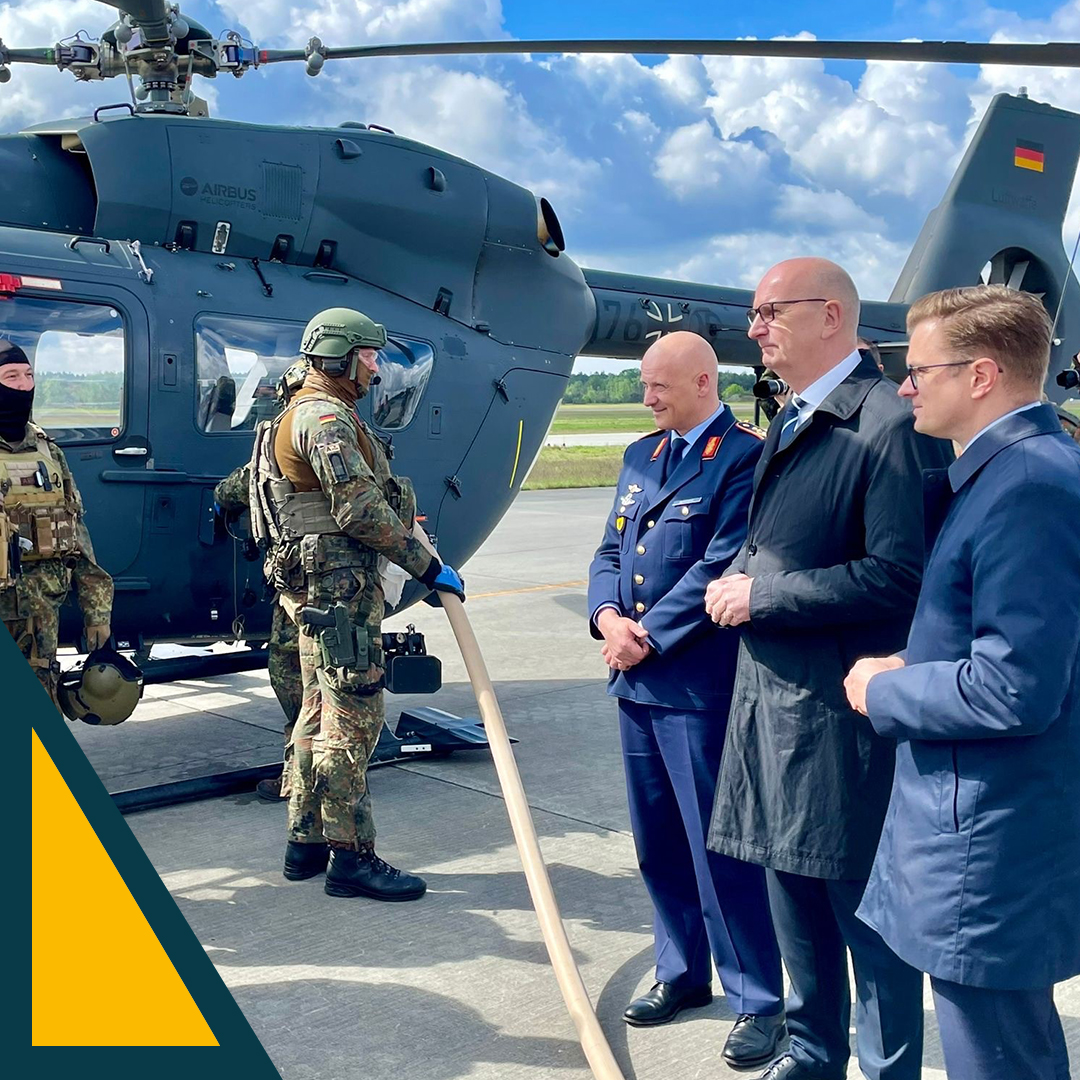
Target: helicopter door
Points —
{"points": [[89, 347]]}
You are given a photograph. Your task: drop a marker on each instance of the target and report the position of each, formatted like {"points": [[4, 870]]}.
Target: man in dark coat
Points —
{"points": [[829, 572], [977, 878], [679, 517]]}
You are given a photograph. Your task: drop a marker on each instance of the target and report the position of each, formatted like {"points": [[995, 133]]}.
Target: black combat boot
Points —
{"points": [[270, 790], [363, 873], [305, 860]]}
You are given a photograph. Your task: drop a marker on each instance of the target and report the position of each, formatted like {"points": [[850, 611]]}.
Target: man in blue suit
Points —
{"points": [[679, 518], [977, 876]]}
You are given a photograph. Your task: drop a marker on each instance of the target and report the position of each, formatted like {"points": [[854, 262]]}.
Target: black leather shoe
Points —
{"points": [[664, 1002], [305, 860], [363, 873], [787, 1068], [754, 1040]]}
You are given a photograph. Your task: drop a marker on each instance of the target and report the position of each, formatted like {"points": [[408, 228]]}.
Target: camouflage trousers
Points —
{"points": [[326, 761], [283, 663], [37, 638]]}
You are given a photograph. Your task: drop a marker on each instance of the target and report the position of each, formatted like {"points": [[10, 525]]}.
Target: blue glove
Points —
{"points": [[449, 580]]}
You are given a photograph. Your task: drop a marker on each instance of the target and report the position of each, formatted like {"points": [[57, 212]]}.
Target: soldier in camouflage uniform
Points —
{"points": [[323, 498], [43, 503], [283, 659]]}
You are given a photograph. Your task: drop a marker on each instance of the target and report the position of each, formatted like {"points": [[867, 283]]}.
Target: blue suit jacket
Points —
{"points": [[662, 546], [977, 876]]}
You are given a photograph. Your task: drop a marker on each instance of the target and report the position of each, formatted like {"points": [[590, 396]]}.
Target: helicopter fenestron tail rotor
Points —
{"points": [[164, 49]]}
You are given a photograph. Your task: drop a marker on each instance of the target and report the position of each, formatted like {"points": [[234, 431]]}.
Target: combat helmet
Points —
{"points": [[332, 334], [104, 690]]}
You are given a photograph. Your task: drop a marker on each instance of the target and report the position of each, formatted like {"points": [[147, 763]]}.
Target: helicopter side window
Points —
{"points": [[77, 352], [238, 364], [404, 369]]}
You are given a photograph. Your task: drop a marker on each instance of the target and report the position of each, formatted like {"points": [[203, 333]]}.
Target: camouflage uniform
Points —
{"points": [[283, 661], [31, 607], [319, 445]]}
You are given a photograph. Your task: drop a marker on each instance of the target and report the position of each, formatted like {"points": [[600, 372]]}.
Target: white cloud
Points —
{"points": [[694, 161]]}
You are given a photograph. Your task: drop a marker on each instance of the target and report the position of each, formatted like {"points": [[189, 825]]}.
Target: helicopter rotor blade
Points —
{"points": [[1052, 54]]}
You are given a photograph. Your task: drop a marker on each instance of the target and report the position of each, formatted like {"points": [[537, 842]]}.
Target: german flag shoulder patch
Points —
{"points": [[751, 429], [328, 418]]}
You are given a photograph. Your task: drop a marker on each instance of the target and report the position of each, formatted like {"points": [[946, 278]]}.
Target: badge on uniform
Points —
{"points": [[628, 499], [711, 447], [620, 524], [327, 418]]}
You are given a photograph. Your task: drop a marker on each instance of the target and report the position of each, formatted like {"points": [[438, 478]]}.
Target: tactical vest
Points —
{"points": [[297, 526], [8, 539], [40, 503]]}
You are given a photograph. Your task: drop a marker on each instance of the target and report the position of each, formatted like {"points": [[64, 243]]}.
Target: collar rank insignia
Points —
{"points": [[659, 448], [711, 447]]}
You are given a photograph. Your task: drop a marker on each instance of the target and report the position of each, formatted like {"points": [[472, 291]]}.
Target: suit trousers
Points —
{"points": [[704, 903], [991, 1034], [816, 925]]}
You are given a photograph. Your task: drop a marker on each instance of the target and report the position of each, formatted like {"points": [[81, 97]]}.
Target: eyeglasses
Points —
{"points": [[915, 372], [767, 311]]}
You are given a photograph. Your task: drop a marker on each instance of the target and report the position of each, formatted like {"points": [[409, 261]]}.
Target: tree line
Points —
{"points": [[623, 387], [67, 388]]}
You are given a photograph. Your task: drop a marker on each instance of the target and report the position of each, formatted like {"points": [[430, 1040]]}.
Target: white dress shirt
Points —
{"points": [[820, 389]]}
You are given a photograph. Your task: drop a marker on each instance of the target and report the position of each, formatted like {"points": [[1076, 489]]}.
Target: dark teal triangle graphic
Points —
{"points": [[239, 1052]]}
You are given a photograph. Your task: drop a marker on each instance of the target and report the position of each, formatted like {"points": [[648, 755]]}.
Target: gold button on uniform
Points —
{"points": [[641, 549], [638, 579], [650, 524], [685, 511], [639, 606]]}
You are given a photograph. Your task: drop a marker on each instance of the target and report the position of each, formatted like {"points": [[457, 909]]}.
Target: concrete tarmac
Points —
{"points": [[457, 984]]}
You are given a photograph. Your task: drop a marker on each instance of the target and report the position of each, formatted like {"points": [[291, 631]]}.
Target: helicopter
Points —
{"points": [[158, 266]]}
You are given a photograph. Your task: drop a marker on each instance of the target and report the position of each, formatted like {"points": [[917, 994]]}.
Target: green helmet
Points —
{"points": [[334, 333], [104, 690]]}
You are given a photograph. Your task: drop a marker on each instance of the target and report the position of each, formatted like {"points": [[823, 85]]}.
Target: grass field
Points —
{"points": [[575, 467], [602, 419]]}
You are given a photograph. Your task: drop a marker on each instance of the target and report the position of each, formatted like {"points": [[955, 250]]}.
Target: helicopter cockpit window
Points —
{"points": [[238, 364], [404, 369], [77, 352]]}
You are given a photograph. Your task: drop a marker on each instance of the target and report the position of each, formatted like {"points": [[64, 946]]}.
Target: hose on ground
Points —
{"points": [[595, 1045]]}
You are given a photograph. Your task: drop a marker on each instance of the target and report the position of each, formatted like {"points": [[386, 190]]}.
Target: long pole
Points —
{"points": [[597, 1051]]}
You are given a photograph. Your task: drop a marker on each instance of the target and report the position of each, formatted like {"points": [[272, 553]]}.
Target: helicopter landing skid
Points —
{"points": [[426, 733]]}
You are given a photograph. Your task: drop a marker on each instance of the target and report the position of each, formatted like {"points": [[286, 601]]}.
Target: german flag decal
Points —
{"points": [[327, 418], [1028, 155]]}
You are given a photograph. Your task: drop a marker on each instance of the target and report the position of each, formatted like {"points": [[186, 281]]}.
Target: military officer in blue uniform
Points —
{"points": [[679, 517]]}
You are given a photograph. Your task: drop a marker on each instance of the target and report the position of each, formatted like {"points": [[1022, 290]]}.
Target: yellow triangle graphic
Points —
{"points": [[101, 977]]}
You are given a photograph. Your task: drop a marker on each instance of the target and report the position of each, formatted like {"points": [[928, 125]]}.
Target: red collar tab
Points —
{"points": [[711, 447], [659, 448]]}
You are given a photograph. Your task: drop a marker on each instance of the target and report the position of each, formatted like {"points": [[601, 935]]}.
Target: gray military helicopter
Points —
{"points": [[158, 267]]}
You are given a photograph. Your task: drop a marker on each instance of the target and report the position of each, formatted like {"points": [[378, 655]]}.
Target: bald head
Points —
{"points": [[814, 318], [679, 376]]}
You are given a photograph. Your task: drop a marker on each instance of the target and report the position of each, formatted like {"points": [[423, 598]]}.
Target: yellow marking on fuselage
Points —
{"points": [[517, 453], [529, 588]]}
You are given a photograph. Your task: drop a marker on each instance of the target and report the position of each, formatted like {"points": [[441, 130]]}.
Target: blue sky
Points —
{"points": [[708, 170]]}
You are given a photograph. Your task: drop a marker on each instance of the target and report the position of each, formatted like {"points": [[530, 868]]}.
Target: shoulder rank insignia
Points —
{"points": [[751, 429], [659, 448]]}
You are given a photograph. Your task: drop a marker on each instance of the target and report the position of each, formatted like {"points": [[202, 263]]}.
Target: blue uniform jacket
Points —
{"points": [[977, 876], [662, 546]]}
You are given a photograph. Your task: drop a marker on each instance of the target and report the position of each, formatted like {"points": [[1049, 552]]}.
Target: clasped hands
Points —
{"points": [[625, 641]]}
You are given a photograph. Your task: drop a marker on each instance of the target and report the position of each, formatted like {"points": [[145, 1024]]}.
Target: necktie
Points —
{"points": [[673, 457], [790, 420]]}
